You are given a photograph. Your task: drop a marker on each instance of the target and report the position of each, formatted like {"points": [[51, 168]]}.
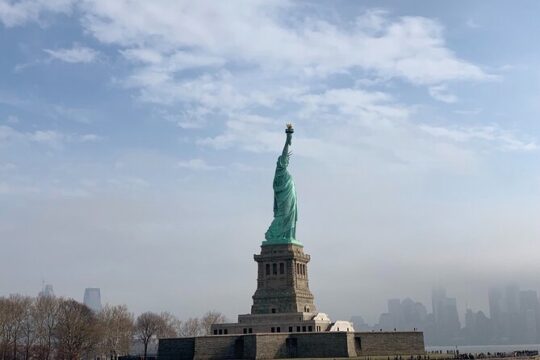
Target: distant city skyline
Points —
{"points": [[90, 298], [513, 317]]}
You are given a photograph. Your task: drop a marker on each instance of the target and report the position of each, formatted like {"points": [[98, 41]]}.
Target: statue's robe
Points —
{"points": [[283, 227]]}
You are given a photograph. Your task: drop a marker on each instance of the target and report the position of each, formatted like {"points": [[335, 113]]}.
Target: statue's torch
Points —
{"points": [[289, 131]]}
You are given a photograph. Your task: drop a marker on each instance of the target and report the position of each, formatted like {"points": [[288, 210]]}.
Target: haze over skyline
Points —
{"points": [[138, 142]]}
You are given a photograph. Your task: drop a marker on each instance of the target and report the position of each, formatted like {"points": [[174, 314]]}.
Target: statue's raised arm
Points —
{"points": [[285, 154], [283, 227]]}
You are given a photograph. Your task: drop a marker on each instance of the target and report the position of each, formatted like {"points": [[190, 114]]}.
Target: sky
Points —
{"points": [[138, 142]]}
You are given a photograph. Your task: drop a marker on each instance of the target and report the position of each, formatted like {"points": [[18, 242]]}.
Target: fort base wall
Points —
{"points": [[292, 345], [391, 343]]}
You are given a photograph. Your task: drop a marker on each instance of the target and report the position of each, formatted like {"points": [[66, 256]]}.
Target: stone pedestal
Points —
{"points": [[282, 281]]}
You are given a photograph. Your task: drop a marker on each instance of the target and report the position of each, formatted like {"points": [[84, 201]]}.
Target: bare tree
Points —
{"points": [[191, 327], [116, 326], [46, 318], [54, 328], [5, 307], [148, 326], [171, 325], [210, 318], [28, 326], [76, 331], [16, 308]]}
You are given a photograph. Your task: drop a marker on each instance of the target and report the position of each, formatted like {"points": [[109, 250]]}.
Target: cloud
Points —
{"points": [[189, 117], [172, 62], [11, 99], [259, 33], [196, 164], [354, 104], [440, 92], [128, 182], [12, 119], [249, 132], [350, 128], [468, 111], [248, 66], [47, 137], [12, 189], [80, 115], [76, 54], [242, 68], [39, 107], [472, 24], [493, 135], [89, 138], [7, 133], [15, 13], [7, 166], [51, 138], [212, 91]]}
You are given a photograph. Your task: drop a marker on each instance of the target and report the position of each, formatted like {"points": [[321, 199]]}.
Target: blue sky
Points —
{"points": [[143, 135]]}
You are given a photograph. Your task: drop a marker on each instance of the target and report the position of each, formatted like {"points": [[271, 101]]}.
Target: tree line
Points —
{"points": [[51, 328]]}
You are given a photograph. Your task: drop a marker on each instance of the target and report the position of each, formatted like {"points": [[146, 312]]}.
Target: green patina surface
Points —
{"points": [[283, 227]]}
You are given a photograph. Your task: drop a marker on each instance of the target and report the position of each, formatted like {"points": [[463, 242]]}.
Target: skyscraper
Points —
{"points": [[496, 304], [529, 316], [47, 290], [451, 320], [92, 299], [394, 306], [438, 300], [528, 300], [512, 298], [446, 319]]}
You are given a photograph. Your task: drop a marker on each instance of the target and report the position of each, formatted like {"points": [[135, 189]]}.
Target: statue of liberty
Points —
{"points": [[283, 227]]}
